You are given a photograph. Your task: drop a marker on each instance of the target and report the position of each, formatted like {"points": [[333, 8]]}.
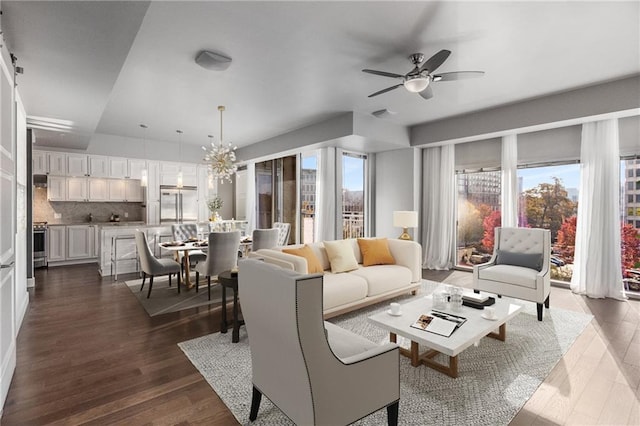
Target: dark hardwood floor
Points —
{"points": [[89, 353]]}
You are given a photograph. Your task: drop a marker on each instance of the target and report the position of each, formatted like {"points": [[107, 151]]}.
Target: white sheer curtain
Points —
{"points": [[597, 262], [509, 198], [251, 197], [438, 219], [325, 222]]}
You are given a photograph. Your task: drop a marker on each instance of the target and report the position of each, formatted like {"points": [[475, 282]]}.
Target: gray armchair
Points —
{"points": [[184, 232], [314, 371], [152, 266], [264, 238], [519, 266], [283, 232], [222, 255]]}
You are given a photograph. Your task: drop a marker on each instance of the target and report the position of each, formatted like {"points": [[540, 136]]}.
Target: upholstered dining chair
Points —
{"points": [[315, 372], [222, 255], [184, 232], [264, 238], [153, 266], [284, 229], [519, 266]]}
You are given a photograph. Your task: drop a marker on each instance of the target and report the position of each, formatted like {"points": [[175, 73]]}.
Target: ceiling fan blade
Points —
{"points": [[383, 73], [427, 93], [435, 61], [457, 75], [388, 89]]}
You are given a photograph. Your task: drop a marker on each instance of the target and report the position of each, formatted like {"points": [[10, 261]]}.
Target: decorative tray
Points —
{"points": [[477, 305]]}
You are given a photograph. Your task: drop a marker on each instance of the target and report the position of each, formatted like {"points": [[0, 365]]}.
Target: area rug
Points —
{"points": [[165, 299], [495, 378]]}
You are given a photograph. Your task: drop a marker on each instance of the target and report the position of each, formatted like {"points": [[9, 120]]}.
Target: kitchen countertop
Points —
{"points": [[121, 223]]}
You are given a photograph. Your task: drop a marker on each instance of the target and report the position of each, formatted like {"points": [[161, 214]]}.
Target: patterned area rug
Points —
{"points": [[495, 378], [165, 299]]}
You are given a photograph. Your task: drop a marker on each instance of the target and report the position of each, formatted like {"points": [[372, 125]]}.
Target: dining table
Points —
{"points": [[185, 247]]}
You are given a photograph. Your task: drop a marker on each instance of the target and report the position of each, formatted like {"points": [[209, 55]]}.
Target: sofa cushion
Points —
{"points": [[313, 264], [375, 251], [339, 289], [526, 260], [383, 278], [341, 257], [517, 275]]}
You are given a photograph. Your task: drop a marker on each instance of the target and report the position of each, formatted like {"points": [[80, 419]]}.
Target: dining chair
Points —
{"points": [[222, 255], [153, 266], [185, 232], [264, 238], [284, 229]]}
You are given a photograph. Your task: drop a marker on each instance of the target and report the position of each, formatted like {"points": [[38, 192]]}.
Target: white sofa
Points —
{"points": [[344, 292]]}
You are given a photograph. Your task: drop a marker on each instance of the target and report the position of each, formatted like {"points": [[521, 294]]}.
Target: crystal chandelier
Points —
{"points": [[221, 158]]}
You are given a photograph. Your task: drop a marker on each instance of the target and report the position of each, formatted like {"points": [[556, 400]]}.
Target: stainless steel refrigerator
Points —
{"points": [[178, 204]]}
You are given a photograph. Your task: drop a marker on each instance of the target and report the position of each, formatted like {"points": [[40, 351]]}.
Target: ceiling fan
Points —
{"points": [[418, 80]]}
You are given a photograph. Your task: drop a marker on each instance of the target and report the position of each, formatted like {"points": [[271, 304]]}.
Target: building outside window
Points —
{"points": [[308, 177], [630, 223], [353, 195]]}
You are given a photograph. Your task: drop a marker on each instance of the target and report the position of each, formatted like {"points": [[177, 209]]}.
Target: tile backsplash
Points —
{"points": [[78, 212]]}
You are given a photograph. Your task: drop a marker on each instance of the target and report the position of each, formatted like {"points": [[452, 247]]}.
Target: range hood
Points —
{"points": [[40, 181]]}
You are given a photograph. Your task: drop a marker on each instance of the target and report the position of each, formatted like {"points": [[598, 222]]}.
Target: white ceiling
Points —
{"points": [[108, 66]]}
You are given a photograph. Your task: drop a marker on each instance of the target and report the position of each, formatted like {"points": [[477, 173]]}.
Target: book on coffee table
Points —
{"points": [[439, 323]]}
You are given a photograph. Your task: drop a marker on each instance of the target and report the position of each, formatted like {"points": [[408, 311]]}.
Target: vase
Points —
{"points": [[215, 217]]}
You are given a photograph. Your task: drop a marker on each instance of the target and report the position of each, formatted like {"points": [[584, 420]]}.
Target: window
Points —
{"points": [[308, 176], [630, 186], [478, 215], [549, 200], [630, 232], [353, 215], [630, 198], [637, 198], [276, 193], [630, 173]]}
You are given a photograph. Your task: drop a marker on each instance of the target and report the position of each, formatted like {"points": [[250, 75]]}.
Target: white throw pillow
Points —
{"points": [[341, 257]]}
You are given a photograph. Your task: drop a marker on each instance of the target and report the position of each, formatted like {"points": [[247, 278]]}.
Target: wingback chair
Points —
{"points": [[152, 266], [283, 232], [222, 255], [315, 372], [519, 266], [264, 238], [183, 232]]}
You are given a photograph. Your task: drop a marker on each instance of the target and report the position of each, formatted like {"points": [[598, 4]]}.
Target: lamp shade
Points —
{"points": [[405, 219], [416, 84]]}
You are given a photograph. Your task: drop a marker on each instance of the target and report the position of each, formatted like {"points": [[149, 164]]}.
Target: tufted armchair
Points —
{"points": [[284, 229], [519, 266], [315, 372]]}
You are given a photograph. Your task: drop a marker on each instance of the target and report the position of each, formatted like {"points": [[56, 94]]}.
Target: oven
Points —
{"points": [[40, 245]]}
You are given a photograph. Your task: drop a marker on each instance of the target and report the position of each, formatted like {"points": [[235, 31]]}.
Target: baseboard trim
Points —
{"points": [[21, 312]]}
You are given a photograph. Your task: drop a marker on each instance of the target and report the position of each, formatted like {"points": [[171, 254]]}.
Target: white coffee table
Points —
{"points": [[474, 329]]}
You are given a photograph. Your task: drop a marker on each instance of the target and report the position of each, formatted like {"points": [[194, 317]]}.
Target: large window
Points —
{"points": [[630, 224], [478, 215], [549, 200], [308, 184], [276, 193], [353, 217]]}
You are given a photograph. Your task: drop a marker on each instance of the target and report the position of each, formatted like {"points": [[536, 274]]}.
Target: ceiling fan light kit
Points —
{"points": [[416, 84]]}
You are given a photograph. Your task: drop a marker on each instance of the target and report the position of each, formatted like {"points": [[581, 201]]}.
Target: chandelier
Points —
{"points": [[221, 158]]}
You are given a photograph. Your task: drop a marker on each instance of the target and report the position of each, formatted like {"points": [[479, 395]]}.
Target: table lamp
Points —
{"points": [[405, 220]]}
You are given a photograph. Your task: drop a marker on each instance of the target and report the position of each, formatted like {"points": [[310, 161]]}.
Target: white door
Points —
{"points": [[56, 188], [77, 189], [98, 189], [39, 166], [135, 168], [98, 166], [118, 167], [117, 190], [133, 191], [80, 241], [56, 235], [76, 165], [57, 163]]}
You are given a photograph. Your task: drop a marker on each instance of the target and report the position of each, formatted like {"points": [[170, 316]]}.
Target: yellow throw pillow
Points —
{"points": [[313, 264], [341, 257], [375, 252]]}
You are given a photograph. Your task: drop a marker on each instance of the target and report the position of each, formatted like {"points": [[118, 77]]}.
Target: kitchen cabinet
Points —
{"points": [[153, 181], [118, 167], [153, 213], [80, 241], [169, 174], [57, 241], [135, 168], [98, 189], [39, 165], [98, 166], [133, 191], [117, 190], [56, 188], [57, 163], [206, 190], [77, 189], [77, 165]]}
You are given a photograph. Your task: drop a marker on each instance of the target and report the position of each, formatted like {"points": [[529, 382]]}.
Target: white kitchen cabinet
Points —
{"points": [[77, 165], [135, 168], [56, 188], [153, 213], [80, 241], [118, 167], [117, 190], [57, 237], [153, 181], [133, 191], [77, 189], [39, 166], [98, 166], [57, 163], [205, 192], [98, 189]]}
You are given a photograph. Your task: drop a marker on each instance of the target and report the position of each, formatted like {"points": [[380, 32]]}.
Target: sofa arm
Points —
{"points": [[298, 263], [409, 254]]}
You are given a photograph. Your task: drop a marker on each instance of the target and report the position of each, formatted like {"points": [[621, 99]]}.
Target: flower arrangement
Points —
{"points": [[215, 204]]}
